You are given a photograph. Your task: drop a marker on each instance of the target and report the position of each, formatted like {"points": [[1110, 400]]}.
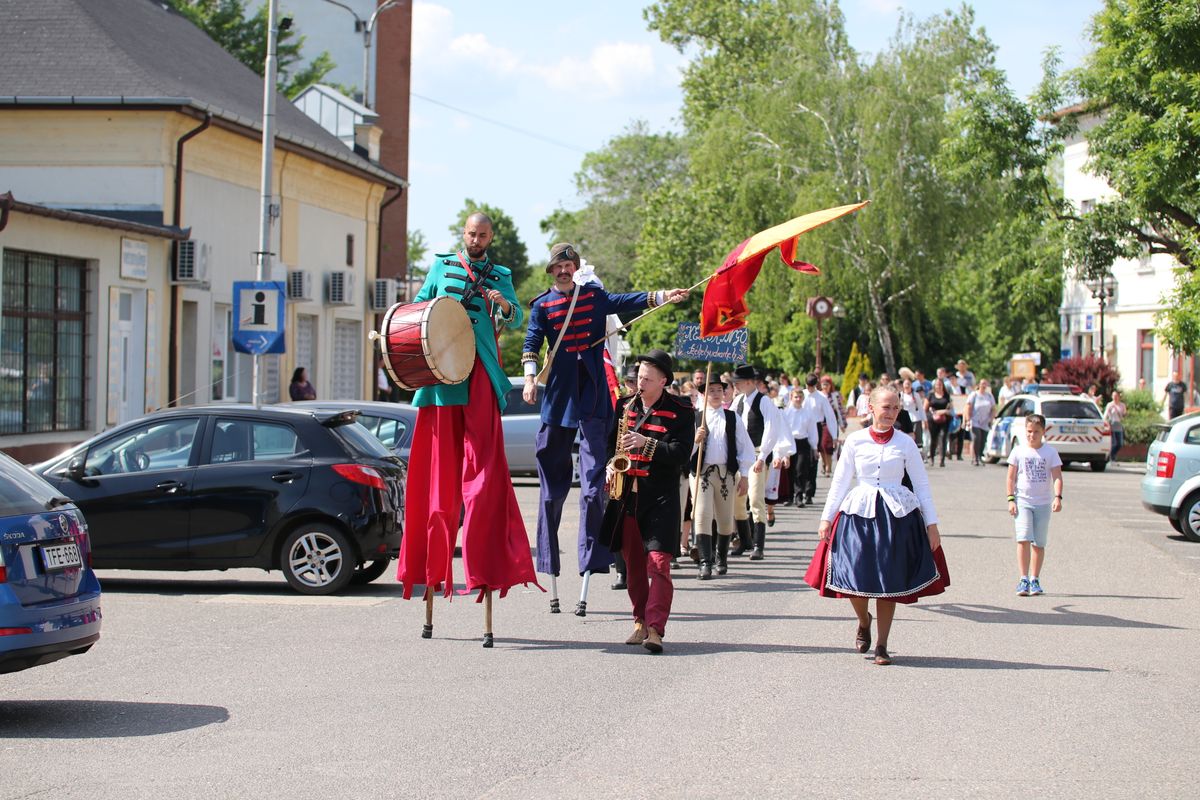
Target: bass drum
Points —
{"points": [[428, 343]]}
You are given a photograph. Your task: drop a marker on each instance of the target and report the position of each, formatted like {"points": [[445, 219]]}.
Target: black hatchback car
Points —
{"points": [[212, 487]]}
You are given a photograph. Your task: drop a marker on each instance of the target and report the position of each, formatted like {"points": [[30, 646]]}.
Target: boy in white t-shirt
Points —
{"points": [[1035, 487]]}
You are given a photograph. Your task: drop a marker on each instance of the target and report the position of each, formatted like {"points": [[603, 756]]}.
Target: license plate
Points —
{"points": [[61, 556], [1074, 429]]}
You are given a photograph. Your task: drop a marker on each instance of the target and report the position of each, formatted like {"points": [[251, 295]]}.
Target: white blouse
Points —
{"points": [[879, 469]]}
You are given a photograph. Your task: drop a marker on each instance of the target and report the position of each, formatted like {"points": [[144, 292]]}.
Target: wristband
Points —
{"points": [[1012, 498], [1058, 497]]}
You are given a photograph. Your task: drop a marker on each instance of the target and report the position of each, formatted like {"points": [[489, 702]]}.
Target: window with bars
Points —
{"points": [[43, 343]]}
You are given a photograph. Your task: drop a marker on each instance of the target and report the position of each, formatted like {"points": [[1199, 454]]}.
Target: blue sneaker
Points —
{"points": [[1023, 587], [1035, 587]]}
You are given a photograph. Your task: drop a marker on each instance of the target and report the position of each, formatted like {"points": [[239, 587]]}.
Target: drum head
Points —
{"points": [[449, 340]]}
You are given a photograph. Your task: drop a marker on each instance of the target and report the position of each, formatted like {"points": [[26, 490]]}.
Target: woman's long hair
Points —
{"points": [[298, 374]]}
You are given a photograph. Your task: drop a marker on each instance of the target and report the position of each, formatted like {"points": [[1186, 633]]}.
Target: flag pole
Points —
{"points": [[627, 325], [700, 451]]}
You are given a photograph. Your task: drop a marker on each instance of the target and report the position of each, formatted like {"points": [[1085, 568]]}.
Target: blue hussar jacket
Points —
{"points": [[577, 387]]}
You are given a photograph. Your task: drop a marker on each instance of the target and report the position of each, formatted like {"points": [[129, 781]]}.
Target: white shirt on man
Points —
{"points": [[714, 445], [775, 439]]}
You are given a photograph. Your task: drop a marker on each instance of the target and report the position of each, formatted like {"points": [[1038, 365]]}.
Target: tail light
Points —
{"points": [[1166, 466], [3, 574], [1104, 430], [14, 631], [358, 473]]}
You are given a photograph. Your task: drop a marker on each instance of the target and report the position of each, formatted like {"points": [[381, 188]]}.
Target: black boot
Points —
{"points": [[723, 554], [705, 544], [760, 541], [743, 534]]}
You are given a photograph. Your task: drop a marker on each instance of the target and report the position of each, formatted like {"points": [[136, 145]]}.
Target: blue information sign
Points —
{"points": [[258, 308], [733, 346]]}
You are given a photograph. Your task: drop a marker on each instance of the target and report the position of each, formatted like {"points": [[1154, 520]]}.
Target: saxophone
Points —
{"points": [[620, 462]]}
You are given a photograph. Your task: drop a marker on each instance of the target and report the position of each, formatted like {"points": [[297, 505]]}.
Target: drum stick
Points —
{"points": [[627, 325]]}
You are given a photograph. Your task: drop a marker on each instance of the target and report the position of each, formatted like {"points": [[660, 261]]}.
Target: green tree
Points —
{"points": [[244, 36], [615, 184], [782, 118], [1141, 87], [418, 248]]}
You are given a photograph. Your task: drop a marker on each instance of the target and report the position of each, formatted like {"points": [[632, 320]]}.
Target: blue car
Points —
{"points": [[49, 596]]}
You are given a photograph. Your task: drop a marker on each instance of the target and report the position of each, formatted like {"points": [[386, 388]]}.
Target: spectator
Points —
{"points": [[1174, 396], [939, 411], [1114, 415], [300, 388], [981, 410], [914, 404], [1006, 390], [864, 386]]}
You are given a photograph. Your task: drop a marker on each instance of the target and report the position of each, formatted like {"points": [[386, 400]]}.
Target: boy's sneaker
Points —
{"points": [[1023, 587], [1035, 587]]}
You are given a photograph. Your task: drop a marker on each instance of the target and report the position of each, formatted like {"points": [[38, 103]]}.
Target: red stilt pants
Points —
{"points": [[648, 578], [457, 459]]}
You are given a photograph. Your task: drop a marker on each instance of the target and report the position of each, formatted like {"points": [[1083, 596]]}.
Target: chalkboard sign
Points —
{"points": [[733, 346]]}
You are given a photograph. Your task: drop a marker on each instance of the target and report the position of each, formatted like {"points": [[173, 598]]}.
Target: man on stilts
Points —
{"points": [[654, 431], [457, 456], [570, 317]]}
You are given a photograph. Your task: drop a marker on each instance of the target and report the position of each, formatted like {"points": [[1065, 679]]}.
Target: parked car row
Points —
{"points": [[1171, 485]]}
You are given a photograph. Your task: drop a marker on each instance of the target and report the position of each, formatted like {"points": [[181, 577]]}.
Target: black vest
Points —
{"points": [[731, 423], [756, 424]]}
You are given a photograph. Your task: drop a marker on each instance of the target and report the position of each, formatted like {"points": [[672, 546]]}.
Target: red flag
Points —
{"points": [[725, 308]]}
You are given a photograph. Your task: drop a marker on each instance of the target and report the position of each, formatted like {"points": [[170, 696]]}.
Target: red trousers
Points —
{"points": [[648, 577], [457, 459]]}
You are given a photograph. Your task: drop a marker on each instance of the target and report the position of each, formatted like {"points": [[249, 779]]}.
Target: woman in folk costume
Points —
{"points": [[879, 539]]}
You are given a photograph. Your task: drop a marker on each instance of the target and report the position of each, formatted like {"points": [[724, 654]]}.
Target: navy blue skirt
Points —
{"points": [[887, 557]]}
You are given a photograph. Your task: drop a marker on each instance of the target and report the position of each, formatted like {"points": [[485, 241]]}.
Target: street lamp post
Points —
{"points": [[1102, 292], [367, 28]]}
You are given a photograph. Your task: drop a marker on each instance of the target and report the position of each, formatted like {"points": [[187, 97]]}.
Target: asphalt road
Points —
{"points": [[228, 685]]}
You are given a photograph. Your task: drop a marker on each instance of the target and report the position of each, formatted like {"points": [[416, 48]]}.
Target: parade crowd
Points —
{"points": [[675, 472]]}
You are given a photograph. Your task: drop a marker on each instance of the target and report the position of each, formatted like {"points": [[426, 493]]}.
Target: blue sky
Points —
{"points": [[577, 73]]}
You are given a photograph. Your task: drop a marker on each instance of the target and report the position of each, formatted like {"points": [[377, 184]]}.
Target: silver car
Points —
{"points": [[1171, 485]]}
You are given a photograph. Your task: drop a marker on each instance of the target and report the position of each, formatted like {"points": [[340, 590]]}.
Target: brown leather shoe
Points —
{"points": [[862, 639], [653, 641], [639, 634], [881, 656]]}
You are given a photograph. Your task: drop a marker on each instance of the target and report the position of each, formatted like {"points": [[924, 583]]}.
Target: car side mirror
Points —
{"points": [[75, 468]]}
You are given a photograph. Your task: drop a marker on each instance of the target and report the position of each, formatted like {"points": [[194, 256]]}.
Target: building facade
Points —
{"points": [[1137, 291], [156, 128]]}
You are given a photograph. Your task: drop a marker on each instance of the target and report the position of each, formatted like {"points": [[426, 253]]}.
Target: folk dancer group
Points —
{"points": [[878, 540]]}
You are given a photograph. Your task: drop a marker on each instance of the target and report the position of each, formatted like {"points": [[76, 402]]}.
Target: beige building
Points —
{"points": [[1132, 298], [134, 166]]}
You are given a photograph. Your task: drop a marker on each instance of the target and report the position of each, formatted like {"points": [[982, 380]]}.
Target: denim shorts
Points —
{"points": [[1033, 524]]}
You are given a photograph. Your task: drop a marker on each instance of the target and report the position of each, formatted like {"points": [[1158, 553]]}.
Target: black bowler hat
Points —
{"points": [[702, 387], [662, 360], [745, 373]]}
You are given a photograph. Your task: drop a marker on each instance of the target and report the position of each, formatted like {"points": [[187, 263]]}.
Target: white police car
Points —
{"points": [[1074, 426]]}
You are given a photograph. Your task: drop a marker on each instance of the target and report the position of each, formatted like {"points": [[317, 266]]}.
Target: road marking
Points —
{"points": [[294, 600]]}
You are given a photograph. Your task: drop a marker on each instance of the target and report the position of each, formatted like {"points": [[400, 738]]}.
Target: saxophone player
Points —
{"points": [[642, 521]]}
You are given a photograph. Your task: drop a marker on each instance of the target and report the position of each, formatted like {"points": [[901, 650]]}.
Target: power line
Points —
{"points": [[513, 128]]}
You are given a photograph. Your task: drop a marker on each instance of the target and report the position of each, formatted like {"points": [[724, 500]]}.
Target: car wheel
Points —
{"points": [[990, 459], [1099, 466], [317, 559], [370, 571], [1189, 518], [1175, 524]]}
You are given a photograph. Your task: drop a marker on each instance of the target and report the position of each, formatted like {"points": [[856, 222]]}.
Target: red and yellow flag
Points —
{"points": [[725, 308]]}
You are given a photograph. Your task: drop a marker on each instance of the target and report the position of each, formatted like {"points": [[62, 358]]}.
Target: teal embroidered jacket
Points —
{"points": [[447, 278]]}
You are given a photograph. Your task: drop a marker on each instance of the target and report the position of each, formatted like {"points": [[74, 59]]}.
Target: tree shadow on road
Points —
{"points": [[1056, 615], [101, 719]]}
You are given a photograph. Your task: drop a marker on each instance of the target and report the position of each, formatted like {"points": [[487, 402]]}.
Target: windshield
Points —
{"points": [[22, 492], [1070, 409]]}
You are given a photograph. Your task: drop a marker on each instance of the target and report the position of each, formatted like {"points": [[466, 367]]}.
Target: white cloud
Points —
{"points": [[609, 70]]}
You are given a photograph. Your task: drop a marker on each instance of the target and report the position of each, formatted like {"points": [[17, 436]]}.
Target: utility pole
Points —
{"points": [[267, 210]]}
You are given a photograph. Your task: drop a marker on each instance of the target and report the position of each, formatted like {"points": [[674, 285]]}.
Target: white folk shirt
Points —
{"points": [[714, 445], [821, 410], [776, 439], [800, 423], [879, 469]]}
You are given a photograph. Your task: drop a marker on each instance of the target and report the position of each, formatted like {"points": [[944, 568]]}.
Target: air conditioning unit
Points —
{"points": [[299, 285], [191, 262], [385, 295], [339, 287]]}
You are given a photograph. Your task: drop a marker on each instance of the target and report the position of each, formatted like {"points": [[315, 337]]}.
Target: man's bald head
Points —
{"points": [[477, 234]]}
